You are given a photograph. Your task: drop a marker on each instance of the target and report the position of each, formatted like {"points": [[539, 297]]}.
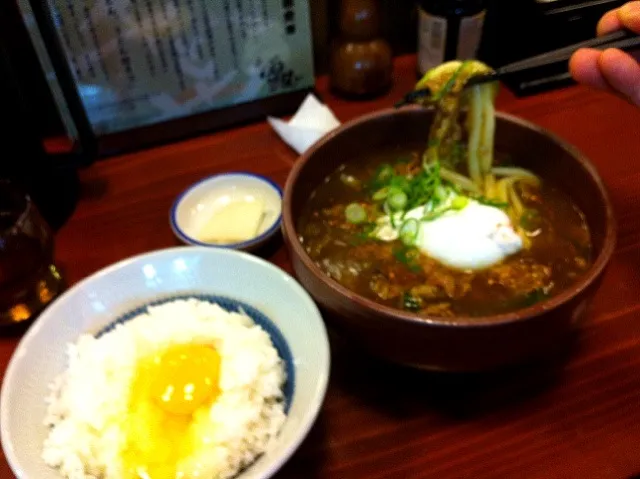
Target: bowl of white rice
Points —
{"points": [[185, 362]]}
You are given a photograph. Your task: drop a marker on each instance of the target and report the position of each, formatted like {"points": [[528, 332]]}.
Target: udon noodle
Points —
{"points": [[447, 82], [441, 227]]}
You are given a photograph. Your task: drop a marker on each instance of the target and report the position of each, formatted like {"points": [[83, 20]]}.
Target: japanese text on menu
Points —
{"points": [[141, 61]]}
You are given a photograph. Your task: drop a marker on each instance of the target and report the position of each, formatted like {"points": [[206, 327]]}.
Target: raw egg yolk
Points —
{"points": [[186, 377], [167, 389]]}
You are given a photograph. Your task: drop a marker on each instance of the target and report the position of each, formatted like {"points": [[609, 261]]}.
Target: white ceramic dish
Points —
{"points": [[122, 288], [195, 206]]}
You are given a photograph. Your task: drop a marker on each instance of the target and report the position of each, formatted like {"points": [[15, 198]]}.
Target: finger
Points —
{"points": [[584, 67], [629, 16], [610, 22], [622, 72]]}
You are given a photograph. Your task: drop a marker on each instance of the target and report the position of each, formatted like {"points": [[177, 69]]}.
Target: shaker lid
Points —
{"points": [[360, 19]]}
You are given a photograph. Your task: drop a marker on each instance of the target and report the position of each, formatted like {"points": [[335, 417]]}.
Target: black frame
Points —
{"points": [[91, 147]]}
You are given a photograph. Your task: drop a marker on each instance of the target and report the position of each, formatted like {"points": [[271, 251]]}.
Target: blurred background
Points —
{"points": [[514, 29]]}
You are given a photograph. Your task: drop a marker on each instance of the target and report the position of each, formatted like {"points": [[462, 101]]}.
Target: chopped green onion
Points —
{"points": [[489, 202], [411, 302], [409, 231], [397, 200], [456, 189], [387, 210], [459, 202], [441, 193], [400, 183], [350, 181], [435, 214], [385, 173], [355, 213], [381, 194], [367, 232], [408, 256], [535, 296], [431, 167], [400, 193]]}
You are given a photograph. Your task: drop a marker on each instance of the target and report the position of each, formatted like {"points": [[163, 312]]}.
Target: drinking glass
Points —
{"points": [[29, 280]]}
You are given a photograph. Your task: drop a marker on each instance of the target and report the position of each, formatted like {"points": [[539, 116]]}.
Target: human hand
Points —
{"points": [[611, 70]]}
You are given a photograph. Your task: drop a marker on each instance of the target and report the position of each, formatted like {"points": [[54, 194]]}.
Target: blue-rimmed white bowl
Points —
{"points": [[199, 203], [232, 279]]}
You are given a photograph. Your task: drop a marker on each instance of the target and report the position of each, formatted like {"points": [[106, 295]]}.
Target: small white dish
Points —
{"points": [[124, 287], [198, 203]]}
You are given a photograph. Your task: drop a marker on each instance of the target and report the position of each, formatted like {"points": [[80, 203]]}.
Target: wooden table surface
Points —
{"points": [[577, 418]]}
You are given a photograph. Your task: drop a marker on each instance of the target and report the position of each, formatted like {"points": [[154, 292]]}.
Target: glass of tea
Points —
{"points": [[29, 280]]}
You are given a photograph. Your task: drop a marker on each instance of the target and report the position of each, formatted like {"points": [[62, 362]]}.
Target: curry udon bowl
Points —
{"points": [[453, 343]]}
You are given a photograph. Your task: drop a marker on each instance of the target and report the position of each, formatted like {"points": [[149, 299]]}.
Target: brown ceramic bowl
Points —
{"points": [[452, 344]]}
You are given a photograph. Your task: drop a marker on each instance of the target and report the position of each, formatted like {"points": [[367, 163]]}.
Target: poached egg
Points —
{"points": [[474, 237]]}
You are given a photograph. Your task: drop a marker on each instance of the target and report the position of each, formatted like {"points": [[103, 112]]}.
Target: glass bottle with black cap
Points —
{"points": [[448, 30]]}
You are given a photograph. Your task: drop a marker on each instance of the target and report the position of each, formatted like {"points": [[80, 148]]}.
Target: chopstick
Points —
{"points": [[623, 40], [552, 67]]}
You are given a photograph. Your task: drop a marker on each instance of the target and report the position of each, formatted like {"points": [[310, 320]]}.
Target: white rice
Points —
{"points": [[88, 401]]}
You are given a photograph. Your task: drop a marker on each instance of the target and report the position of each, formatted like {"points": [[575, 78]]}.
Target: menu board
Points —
{"points": [[140, 62]]}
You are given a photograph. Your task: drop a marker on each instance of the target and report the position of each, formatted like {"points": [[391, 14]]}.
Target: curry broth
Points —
{"points": [[403, 277]]}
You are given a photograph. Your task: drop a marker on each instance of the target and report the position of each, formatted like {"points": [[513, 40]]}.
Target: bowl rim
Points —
{"points": [[179, 232], [303, 427], [588, 278]]}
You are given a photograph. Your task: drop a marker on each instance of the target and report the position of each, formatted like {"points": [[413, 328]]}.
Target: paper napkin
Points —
{"points": [[312, 121]]}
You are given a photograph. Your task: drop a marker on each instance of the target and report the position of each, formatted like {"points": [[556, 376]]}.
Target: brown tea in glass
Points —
{"points": [[29, 280]]}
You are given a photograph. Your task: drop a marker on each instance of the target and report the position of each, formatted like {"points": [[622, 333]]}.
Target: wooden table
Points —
{"points": [[577, 419]]}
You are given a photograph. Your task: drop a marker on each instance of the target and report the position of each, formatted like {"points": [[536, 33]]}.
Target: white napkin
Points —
{"points": [[312, 121]]}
